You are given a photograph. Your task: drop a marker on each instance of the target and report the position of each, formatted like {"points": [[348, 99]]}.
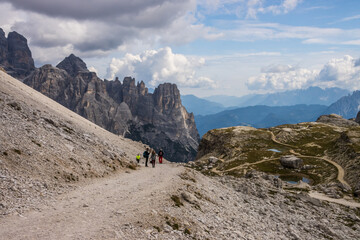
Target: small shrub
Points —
{"points": [[157, 228], [17, 151], [174, 225], [5, 153], [187, 231]]}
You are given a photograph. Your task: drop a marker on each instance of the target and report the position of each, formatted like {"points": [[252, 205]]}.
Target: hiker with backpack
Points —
{"points": [[153, 157], [146, 156], [161, 154]]}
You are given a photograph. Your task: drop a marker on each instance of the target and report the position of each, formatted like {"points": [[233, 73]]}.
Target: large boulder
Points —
{"points": [[291, 161]]}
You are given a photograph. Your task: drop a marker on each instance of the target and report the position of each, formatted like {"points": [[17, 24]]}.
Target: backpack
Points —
{"points": [[144, 154]]}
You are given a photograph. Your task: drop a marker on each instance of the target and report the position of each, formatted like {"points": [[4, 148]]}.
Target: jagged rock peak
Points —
{"points": [[129, 81], [167, 95], [15, 55], [2, 34], [73, 65]]}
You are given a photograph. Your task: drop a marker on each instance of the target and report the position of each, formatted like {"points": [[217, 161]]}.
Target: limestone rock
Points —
{"points": [[73, 65], [15, 55], [291, 161], [336, 120], [212, 160]]}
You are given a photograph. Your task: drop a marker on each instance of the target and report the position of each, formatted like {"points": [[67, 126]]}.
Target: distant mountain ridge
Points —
{"points": [[259, 116], [311, 95], [200, 106]]}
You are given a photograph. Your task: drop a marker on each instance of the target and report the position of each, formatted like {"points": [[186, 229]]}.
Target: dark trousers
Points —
{"points": [[146, 161]]}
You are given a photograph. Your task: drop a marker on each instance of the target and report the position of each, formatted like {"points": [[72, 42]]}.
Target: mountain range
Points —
{"points": [[259, 116], [311, 95]]}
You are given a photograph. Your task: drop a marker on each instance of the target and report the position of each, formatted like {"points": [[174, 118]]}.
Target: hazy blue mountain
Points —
{"points": [[259, 116], [200, 106], [230, 101], [311, 95], [347, 106]]}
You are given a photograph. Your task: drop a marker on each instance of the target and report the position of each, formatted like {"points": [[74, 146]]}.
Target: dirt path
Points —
{"points": [[341, 172], [97, 210], [341, 201]]}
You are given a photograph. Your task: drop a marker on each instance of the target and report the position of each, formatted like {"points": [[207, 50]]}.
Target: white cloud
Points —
{"points": [[258, 6], [287, 80], [350, 18], [279, 68], [93, 69], [158, 66], [341, 72], [352, 42]]}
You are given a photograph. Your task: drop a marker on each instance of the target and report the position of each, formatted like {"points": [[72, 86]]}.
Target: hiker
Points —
{"points": [[153, 157], [160, 154], [138, 158], [146, 156]]}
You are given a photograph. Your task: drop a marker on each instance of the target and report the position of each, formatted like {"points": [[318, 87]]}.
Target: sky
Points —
{"points": [[206, 47]]}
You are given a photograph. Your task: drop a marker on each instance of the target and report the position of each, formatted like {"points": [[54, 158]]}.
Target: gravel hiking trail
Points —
{"points": [[97, 209]]}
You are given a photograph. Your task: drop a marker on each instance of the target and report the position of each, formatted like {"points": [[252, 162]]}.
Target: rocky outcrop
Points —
{"points": [[73, 65], [357, 119], [337, 120], [15, 55], [291, 161], [126, 108]]}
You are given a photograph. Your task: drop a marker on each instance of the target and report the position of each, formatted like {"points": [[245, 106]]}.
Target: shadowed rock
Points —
{"points": [[291, 161], [73, 65], [15, 55]]}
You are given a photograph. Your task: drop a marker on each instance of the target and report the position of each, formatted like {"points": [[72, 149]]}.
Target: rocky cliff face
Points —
{"points": [[126, 108], [15, 55]]}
